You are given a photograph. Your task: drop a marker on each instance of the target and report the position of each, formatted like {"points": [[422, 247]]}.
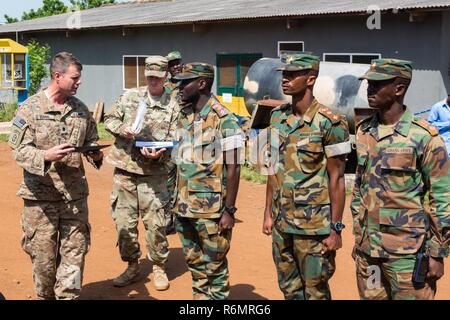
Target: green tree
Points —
{"points": [[88, 4], [53, 7], [38, 56]]}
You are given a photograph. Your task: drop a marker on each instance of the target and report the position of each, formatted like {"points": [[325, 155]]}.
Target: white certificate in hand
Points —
{"points": [[140, 116]]}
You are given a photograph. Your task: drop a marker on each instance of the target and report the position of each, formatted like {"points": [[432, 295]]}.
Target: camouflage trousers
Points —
{"points": [[135, 196], [171, 184], [383, 279], [56, 235], [303, 272], [205, 252]]}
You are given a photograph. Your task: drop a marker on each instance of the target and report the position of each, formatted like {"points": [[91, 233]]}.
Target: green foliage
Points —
{"points": [[88, 4], [54, 7], [103, 134], [4, 137], [7, 111], [38, 56], [251, 175]]}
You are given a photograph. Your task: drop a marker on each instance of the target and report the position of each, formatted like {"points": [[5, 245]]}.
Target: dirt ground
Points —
{"points": [[251, 266]]}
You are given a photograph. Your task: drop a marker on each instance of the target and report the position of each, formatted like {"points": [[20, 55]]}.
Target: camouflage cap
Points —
{"points": [[174, 55], [301, 61], [156, 66], [385, 69], [195, 70]]}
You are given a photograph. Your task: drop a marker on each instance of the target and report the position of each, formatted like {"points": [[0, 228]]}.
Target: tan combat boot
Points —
{"points": [[129, 276], [160, 280]]}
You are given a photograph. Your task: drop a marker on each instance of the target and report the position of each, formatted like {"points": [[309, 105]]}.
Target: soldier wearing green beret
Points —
{"points": [[306, 189], [400, 241], [208, 171]]}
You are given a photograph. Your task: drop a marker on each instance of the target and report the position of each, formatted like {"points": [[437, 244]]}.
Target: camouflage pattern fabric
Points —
{"points": [[56, 235], [394, 282], [55, 216], [200, 194], [396, 169], [385, 69], [195, 70], [301, 195], [135, 196], [201, 191], [298, 62], [39, 126], [159, 125], [303, 272], [205, 252]]}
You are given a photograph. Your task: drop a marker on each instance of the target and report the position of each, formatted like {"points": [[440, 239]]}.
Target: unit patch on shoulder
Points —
{"points": [[18, 128]]}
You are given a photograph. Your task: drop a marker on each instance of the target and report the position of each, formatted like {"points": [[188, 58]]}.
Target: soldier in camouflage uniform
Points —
{"points": [[140, 176], [175, 67], [208, 174], [305, 192], [56, 231], [401, 158]]}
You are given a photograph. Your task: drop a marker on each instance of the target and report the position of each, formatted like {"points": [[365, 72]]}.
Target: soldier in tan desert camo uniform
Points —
{"points": [[140, 176], [56, 231]]}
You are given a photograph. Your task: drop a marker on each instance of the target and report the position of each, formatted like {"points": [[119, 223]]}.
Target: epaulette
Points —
{"points": [[333, 117], [220, 109], [282, 107], [426, 125]]}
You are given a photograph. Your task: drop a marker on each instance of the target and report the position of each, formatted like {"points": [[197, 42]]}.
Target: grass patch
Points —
{"points": [[251, 175], [103, 134], [7, 111], [4, 137]]}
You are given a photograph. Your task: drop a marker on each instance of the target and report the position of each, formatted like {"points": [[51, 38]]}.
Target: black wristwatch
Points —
{"points": [[338, 227], [231, 210]]}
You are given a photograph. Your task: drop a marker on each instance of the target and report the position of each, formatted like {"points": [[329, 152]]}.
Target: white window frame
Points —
{"points": [[137, 68], [290, 41], [351, 54]]}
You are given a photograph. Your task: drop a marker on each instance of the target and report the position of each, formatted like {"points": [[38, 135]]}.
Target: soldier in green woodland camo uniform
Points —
{"points": [[208, 174], [306, 189], [175, 67], [401, 158], [140, 176], [56, 231]]}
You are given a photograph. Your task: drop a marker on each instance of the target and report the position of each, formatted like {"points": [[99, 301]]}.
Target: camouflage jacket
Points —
{"points": [[396, 168], [301, 197], [172, 89], [201, 183], [159, 125], [39, 126]]}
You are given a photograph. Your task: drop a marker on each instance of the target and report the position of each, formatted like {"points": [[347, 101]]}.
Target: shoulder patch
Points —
{"points": [[220, 110], [19, 122], [332, 116], [18, 128], [426, 125], [282, 107]]}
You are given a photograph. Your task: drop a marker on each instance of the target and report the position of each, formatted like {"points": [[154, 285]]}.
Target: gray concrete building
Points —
{"points": [[113, 41]]}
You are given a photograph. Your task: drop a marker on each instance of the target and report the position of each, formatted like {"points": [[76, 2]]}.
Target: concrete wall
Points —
{"points": [[101, 51]]}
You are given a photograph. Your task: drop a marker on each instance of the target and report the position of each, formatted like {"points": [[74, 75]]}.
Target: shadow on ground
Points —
{"points": [[104, 290]]}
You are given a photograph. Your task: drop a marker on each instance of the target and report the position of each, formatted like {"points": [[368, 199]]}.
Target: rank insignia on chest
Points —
{"points": [[64, 129]]}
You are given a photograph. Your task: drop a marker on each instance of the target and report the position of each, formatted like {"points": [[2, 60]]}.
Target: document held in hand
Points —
{"points": [[156, 144], [140, 115]]}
